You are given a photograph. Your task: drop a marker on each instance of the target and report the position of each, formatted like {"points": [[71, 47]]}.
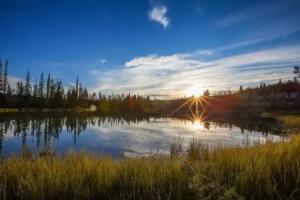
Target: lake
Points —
{"points": [[126, 135]]}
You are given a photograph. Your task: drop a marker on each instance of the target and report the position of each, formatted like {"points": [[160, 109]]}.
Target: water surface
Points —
{"points": [[121, 136]]}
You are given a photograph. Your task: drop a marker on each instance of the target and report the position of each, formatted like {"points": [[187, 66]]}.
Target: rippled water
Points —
{"points": [[121, 136]]}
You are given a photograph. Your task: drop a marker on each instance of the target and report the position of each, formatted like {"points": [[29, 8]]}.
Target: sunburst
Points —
{"points": [[197, 105]]}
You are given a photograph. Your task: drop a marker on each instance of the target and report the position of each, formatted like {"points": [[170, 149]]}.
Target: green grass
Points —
{"points": [[270, 171]]}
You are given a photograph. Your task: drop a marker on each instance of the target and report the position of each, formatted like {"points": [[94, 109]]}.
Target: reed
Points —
{"points": [[290, 121], [270, 171]]}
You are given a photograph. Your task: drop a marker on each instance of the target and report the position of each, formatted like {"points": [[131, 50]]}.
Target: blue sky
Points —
{"points": [[152, 47]]}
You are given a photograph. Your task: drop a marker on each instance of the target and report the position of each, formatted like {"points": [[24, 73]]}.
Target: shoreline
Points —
{"points": [[32, 110]]}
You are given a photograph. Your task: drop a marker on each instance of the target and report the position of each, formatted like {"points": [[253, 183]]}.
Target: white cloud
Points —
{"points": [[159, 62], [158, 14], [13, 80], [175, 74]]}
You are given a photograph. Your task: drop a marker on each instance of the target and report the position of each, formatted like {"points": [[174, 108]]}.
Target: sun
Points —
{"points": [[197, 124], [194, 91]]}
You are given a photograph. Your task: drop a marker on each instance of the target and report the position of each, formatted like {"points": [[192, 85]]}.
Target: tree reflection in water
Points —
{"points": [[45, 127]]}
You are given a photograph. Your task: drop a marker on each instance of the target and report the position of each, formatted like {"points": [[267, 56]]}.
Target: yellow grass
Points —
{"points": [[5, 110], [291, 121], [270, 171]]}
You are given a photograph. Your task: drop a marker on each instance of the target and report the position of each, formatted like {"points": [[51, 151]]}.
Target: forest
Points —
{"points": [[49, 92]]}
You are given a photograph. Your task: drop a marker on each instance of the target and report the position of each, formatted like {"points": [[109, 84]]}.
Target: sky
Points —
{"points": [[152, 47]]}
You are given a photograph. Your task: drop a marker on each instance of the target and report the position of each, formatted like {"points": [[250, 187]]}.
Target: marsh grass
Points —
{"points": [[291, 121], [270, 171]]}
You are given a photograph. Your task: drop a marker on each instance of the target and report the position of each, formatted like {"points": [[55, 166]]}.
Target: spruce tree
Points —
{"points": [[52, 89], [35, 90], [28, 84], [9, 92], [77, 88], [20, 89], [41, 87], [5, 80], [241, 89], [1, 77], [48, 86]]}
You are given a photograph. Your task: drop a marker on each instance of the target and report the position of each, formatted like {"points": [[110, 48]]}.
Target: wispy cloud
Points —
{"points": [[263, 21], [266, 40], [175, 74], [246, 15], [159, 14]]}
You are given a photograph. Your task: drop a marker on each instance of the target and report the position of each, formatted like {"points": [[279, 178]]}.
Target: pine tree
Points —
{"points": [[1, 77], [9, 90], [241, 89], [206, 93], [60, 90], [52, 89], [41, 87], [28, 84], [5, 80], [20, 89], [35, 90], [48, 86], [77, 88]]}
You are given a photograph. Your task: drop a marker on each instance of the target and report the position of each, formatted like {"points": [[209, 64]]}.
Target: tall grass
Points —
{"points": [[270, 171], [290, 121]]}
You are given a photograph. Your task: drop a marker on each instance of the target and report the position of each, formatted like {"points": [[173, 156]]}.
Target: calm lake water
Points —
{"points": [[120, 136]]}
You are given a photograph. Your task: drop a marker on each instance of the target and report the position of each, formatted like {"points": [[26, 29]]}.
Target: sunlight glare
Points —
{"points": [[197, 124], [194, 91]]}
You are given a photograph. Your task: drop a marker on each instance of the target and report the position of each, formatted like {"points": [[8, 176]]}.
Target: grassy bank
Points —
{"points": [[45, 110], [8, 110], [270, 171], [290, 121]]}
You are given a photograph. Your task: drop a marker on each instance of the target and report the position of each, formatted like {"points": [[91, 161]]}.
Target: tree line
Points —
{"points": [[48, 92], [274, 96]]}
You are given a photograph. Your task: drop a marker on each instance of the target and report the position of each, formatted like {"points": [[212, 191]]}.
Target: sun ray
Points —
{"points": [[185, 103], [197, 107]]}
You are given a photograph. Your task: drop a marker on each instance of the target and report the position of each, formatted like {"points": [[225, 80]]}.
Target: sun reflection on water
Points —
{"points": [[197, 124], [198, 113]]}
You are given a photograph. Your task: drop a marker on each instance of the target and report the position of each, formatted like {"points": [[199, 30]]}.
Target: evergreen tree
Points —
{"points": [[48, 87], [52, 89], [241, 89], [28, 84], [35, 90], [206, 93], [1, 77], [41, 87], [20, 89], [5, 80], [9, 90], [77, 88]]}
